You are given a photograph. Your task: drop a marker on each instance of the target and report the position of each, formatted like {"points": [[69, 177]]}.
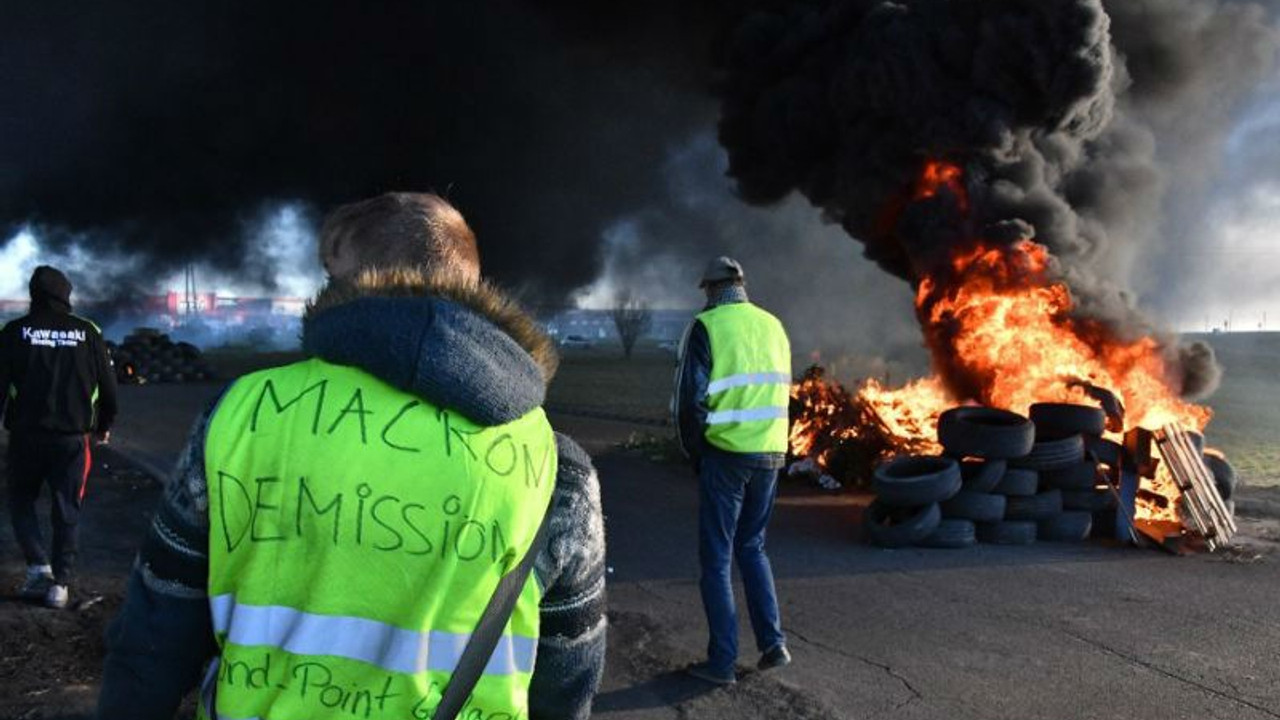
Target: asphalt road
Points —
{"points": [[1046, 631]]}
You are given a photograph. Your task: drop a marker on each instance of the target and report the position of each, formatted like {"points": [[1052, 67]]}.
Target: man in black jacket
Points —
{"points": [[58, 390]]}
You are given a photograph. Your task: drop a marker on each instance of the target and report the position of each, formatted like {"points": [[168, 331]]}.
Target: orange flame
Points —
{"points": [[1007, 331]]}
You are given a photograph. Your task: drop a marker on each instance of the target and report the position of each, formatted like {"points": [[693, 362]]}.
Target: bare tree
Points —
{"points": [[633, 318]]}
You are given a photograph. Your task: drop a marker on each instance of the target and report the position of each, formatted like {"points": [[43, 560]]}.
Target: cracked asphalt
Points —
{"points": [[1046, 631]]}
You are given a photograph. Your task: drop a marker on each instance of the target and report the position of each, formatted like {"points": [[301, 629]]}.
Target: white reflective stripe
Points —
{"points": [[720, 417], [387, 646], [733, 381]]}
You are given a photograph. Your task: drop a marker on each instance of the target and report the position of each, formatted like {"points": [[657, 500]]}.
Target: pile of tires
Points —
{"points": [[998, 499], [150, 356], [1006, 479]]}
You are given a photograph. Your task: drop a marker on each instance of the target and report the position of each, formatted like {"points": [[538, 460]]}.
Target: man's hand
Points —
{"points": [[102, 438]]}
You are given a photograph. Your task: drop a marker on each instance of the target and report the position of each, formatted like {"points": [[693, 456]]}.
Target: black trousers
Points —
{"points": [[62, 462]]}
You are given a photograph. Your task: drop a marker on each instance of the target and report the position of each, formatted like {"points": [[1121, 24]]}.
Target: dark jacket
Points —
{"points": [[693, 375], [468, 349], [55, 375]]}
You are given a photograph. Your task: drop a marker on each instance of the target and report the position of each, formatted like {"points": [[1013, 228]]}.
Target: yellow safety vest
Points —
{"points": [[750, 381], [356, 534]]}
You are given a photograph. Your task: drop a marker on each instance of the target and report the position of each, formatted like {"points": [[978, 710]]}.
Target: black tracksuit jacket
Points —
{"points": [[55, 374]]}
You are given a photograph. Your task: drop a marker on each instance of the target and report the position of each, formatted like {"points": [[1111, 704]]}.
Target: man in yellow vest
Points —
{"points": [[389, 528], [732, 391]]}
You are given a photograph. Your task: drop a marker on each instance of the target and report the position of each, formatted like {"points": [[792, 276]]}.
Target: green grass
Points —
{"points": [[1246, 423], [601, 380]]}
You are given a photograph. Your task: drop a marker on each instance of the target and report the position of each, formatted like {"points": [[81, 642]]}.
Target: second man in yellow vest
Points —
{"points": [[732, 393]]}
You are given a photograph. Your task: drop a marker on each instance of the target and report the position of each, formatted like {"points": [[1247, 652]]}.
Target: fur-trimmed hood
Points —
{"points": [[456, 343]]}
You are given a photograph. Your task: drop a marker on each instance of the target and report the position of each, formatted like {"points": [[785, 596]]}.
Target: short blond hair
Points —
{"points": [[399, 229]]}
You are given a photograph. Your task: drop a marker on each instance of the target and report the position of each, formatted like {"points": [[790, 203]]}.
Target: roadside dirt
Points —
{"points": [[51, 660]]}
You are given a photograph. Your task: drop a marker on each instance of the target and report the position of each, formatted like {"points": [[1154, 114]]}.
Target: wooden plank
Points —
{"points": [[1201, 502]]}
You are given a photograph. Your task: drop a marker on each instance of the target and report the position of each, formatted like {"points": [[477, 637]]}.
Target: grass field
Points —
{"points": [[1246, 424]]}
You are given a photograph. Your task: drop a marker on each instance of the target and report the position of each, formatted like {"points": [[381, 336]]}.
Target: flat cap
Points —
{"points": [[721, 269]]}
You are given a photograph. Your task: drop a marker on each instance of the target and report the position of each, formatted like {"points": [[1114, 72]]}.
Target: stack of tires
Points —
{"points": [[999, 500], [150, 356], [907, 510]]}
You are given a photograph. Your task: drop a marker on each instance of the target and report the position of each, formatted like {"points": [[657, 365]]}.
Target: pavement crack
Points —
{"points": [[913, 693], [1133, 659]]}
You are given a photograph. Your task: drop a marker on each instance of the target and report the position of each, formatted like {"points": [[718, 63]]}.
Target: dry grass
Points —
{"points": [[1246, 424]]}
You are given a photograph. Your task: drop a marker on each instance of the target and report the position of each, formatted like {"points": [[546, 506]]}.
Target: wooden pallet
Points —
{"points": [[1203, 509]]}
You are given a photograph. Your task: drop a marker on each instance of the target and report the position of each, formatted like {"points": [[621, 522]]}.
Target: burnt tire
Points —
{"points": [[1080, 476], [1197, 440], [975, 506], [1018, 482], [883, 530], [915, 480], [1224, 476], [1052, 454], [1006, 532], [1063, 419], [1041, 506], [982, 476], [1069, 526], [952, 534], [985, 432], [1103, 451], [1088, 500]]}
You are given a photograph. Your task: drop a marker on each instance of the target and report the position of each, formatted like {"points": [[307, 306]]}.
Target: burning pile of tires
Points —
{"points": [[1005, 479], [150, 356]]}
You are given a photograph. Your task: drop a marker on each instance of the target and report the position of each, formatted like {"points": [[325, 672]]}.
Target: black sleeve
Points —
{"points": [[107, 408], [691, 390], [573, 632]]}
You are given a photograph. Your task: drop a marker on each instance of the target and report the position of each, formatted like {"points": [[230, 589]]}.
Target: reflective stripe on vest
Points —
{"points": [[748, 392], [356, 535], [355, 638]]}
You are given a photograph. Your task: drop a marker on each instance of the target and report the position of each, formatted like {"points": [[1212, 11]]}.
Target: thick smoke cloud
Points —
{"points": [[844, 101], [169, 130]]}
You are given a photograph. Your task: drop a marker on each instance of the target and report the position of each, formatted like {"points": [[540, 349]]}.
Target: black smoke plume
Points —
{"points": [[162, 130], [846, 100]]}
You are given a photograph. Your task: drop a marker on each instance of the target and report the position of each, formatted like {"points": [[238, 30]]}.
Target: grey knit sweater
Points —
{"points": [[466, 348]]}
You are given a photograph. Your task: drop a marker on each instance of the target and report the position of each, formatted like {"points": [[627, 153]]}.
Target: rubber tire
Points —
{"points": [[985, 432], [1090, 500], [1197, 440], [1069, 526], [952, 535], [982, 476], [1041, 506], [1081, 476], [1063, 419], [1006, 533], [1052, 454], [975, 506], [1018, 482], [915, 480], [1103, 451], [883, 531], [1224, 476]]}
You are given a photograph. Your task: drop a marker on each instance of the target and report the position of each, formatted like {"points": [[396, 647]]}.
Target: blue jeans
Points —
{"points": [[736, 501]]}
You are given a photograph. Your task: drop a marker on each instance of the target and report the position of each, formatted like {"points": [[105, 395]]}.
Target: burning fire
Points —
{"points": [[1006, 330]]}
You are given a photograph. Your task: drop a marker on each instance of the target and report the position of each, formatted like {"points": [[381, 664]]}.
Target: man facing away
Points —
{"points": [[335, 528], [732, 390], [60, 389]]}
